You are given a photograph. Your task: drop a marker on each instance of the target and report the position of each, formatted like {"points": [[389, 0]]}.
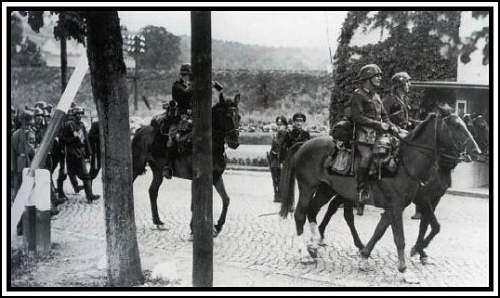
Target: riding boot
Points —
{"points": [[168, 169], [363, 195], [60, 190], [88, 191]]}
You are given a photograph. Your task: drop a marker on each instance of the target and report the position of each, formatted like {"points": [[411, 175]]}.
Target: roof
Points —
{"points": [[448, 85]]}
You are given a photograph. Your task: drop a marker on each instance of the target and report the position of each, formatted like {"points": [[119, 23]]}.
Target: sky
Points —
{"points": [[267, 28]]}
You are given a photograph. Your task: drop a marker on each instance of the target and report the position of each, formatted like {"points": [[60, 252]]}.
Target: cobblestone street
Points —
{"points": [[255, 239]]}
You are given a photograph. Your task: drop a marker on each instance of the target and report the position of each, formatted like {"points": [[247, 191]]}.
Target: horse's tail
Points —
{"points": [[138, 153], [287, 182]]}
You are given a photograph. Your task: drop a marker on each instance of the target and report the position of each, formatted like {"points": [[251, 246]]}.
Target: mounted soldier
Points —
{"points": [[277, 155], [78, 152], [22, 148], [370, 118], [397, 102], [175, 124]]}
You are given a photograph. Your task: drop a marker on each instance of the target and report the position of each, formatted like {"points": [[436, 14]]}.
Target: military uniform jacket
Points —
{"points": [[183, 95], [398, 109], [76, 140], [296, 136], [22, 149], [368, 113], [278, 148]]}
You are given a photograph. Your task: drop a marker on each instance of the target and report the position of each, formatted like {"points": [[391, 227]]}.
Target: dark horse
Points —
{"points": [[426, 199], [225, 129], [418, 152]]}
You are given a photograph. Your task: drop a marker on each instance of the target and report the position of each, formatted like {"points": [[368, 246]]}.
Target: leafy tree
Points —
{"points": [[162, 49], [418, 42], [25, 53]]}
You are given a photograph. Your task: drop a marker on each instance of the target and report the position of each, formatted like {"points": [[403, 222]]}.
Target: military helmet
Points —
{"points": [[40, 104], [368, 71], [49, 108], [299, 116], [26, 115], [77, 110], [400, 78], [186, 69], [281, 120], [38, 111]]}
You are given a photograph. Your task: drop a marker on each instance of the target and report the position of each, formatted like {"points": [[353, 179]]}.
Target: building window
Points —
{"points": [[461, 107]]}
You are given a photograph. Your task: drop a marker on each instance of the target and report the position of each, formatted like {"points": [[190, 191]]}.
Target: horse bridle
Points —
{"points": [[226, 132]]}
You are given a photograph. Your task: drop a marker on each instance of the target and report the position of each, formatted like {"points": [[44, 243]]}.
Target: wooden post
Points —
{"points": [[201, 60], [136, 77], [64, 64]]}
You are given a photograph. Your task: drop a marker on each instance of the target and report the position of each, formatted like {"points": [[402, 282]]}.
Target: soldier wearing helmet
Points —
{"points": [[78, 152], [40, 125], [22, 148], [397, 102], [277, 155], [369, 117]]}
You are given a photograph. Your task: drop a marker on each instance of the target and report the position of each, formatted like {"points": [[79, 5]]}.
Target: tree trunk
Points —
{"points": [[107, 69], [201, 60]]}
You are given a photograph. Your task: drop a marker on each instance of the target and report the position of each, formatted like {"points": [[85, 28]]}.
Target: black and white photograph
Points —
{"points": [[251, 148]]}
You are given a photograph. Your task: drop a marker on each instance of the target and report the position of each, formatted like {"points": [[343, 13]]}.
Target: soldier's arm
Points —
{"points": [[358, 114]]}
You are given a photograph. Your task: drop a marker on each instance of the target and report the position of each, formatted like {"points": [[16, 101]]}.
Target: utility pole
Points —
{"points": [[201, 187], [135, 47]]}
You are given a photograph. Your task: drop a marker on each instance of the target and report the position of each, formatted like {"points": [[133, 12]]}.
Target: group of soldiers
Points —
{"points": [[283, 140], [369, 115], [70, 149]]}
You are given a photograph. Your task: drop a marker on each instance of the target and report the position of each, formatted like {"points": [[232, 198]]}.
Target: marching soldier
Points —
{"points": [[369, 117], [22, 148], [276, 155], [78, 152], [297, 134]]}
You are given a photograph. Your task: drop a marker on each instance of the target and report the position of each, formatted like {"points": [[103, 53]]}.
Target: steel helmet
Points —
{"points": [[281, 120], [40, 104], [77, 110], [368, 71], [186, 69], [38, 111], [400, 78]]}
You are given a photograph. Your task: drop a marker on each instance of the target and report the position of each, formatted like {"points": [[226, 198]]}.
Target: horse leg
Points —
{"points": [[382, 225], [321, 197], [435, 228], [399, 238], [153, 195], [219, 186], [349, 219], [332, 209], [305, 196], [424, 224]]}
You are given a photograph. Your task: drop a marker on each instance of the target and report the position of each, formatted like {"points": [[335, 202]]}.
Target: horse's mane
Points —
{"points": [[420, 128]]}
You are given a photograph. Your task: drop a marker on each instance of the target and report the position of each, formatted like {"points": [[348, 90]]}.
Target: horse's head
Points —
{"points": [[226, 120], [453, 135]]}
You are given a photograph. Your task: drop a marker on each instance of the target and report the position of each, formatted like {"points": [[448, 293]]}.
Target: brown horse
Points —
{"points": [[418, 152], [427, 198], [225, 129]]}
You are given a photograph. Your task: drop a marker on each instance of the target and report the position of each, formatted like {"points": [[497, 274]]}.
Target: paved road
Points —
{"points": [[255, 237]]}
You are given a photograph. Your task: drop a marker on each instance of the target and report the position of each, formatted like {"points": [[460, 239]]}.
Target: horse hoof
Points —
{"points": [[364, 254], [410, 278], [158, 222], [321, 242], [215, 232], [426, 261], [413, 251], [313, 251]]}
